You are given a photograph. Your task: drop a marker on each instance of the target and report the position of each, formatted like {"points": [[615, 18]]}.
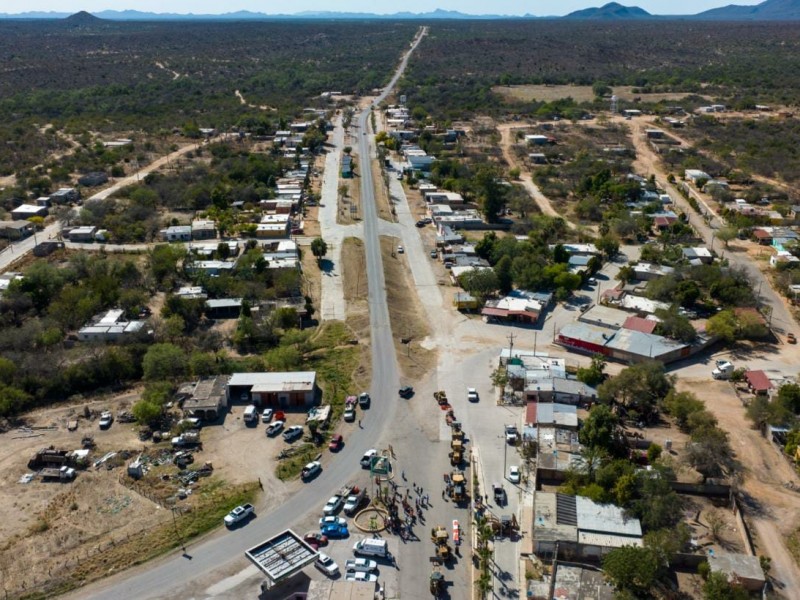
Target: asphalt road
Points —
{"points": [[172, 577]]}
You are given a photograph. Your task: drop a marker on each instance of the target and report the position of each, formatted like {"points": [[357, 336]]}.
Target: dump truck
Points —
{"points": [[64, 473], [458, 486], [49, 457]]}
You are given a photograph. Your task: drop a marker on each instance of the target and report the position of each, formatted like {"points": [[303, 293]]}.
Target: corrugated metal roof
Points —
{"points": [[640, 324], [758, 380]]}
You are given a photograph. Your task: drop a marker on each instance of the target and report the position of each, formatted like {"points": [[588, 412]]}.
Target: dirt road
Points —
{"points": [[506, 141], [774, 510]]}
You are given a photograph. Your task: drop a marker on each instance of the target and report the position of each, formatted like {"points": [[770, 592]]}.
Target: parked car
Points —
{"points": [[360, 576], [275, 428], [513, 474], [434, 254], [326, 564], [333, 505], [279, 415], [349, 414], [366, 460], [353, 502], [335, 530], [406, 391], [400, 250], [332, 520], [420, 223], [310, 470], [106, 418], [292, 433], [239, 514], [364, 565], [266, 415], [472, 395], [315, 539], [723, 370], [364, 400], [337, 441]]}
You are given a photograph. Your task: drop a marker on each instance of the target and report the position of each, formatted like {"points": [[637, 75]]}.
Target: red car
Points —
{"points": [[279, 416], [337, 441], [315, 540]]}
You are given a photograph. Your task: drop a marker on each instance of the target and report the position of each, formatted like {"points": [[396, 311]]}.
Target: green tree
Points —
{"points": [[505, 278], [723, 325], [479, 282], [637, 388], [717, 587], [164, 361], [789, 397], [601, 429], [608, 245], [490, 192], [726, 234], [681, 405], [319, 248], [147, 413], [594, 374], [632, 569]]}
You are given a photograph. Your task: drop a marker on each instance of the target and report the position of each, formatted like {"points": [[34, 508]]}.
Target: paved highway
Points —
{"points": [[173, 576]]}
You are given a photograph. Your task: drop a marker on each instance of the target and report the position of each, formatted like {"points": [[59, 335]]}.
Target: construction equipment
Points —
{"points": [[458, 486], [456, 452], [440, 540], [437, 579], [440, 397]]}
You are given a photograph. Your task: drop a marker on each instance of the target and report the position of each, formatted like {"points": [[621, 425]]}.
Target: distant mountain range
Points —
{"points": [[769, 10]]}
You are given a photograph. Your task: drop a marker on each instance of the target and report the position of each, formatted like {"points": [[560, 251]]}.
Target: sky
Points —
{"points": [[503, 7]]}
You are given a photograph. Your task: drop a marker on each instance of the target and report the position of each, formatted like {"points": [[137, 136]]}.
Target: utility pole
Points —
{"points": [[510, 349], [175, 524]]}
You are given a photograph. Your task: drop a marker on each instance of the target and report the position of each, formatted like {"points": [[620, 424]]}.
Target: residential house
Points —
{"points": [[6, 279], [42, 201], [625, 345], [518, 306], [16, 230], [65, 196], [26, 211], [698, 254], [177, 233], [578, 249], [742, 569], [537, 158], [47, 248], [579, 264], [539, 140], [191, 293], [109, 327], [279, 390], [223, 308], [758, 382], [213, 268], [204, 399], [654, 134], [581, 528], [647, 271], [604, 316], [84, 234], [555, 414], [571, 582], [695, 175], [204, 229]]}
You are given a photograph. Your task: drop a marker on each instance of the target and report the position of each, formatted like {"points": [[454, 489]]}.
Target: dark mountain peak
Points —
{"points": [[83, 18], [770, 10], [612, 10]]}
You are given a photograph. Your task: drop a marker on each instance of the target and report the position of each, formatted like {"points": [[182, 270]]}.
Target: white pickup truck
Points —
{"points": [[239, 514]]}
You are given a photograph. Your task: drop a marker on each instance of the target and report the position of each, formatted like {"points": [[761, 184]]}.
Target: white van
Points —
{"points": [[251, 414], [371, 547]]}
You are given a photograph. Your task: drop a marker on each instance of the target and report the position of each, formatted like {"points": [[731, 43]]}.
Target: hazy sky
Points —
{"points": [[506, 7]]}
